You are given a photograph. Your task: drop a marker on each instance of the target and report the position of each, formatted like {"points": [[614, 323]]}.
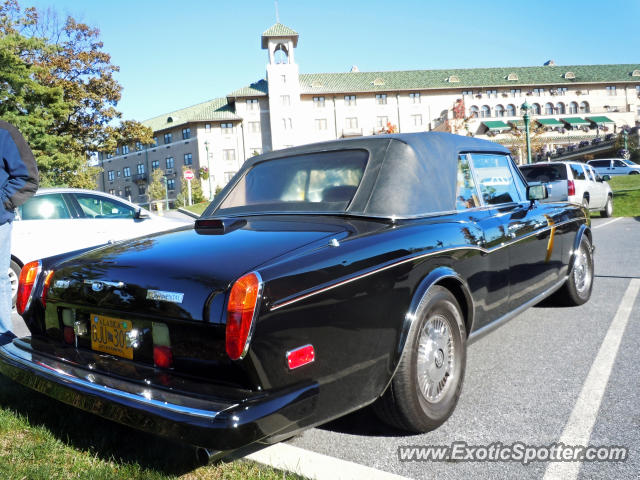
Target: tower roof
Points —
{"points": [[279, 30]]}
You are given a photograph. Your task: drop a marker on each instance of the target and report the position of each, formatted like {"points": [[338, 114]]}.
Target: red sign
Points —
{"points": [[189, 175]]}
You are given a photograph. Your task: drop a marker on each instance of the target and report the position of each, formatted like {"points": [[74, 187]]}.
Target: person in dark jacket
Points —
{"points": [[18, 182]]}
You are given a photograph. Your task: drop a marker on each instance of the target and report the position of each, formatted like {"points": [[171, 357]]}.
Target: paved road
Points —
{"points": [[523, 382]]}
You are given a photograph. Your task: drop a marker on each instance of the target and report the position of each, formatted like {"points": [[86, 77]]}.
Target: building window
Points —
{"points": [[138, 145], [474, 111], [584, 107], [229, 154], [573, 107], [155, 165], [112, 191], [415, 97], [117, 151], [548, 108], [142, 189], [140, 168], [186, 133], [321, 123], [351, 122], [485, 111], [207, 127], [511, 110], [318, 102], [562, 91], [155, 141], [252, 104], [171, 184], [188, 159], [119, 173], [516, 92], [492, 93], [350, 100], [285, 100], [125, 149], [538, 92], [287, 124], [226, 128], [254, 127], [499, 110], [560, 108], [382, 121], [169, 162], [417, 120], [109, 155], [111, 175], [168, 137], [127, 191], [467, 93], [283, 78], [536, 109], [126, 172], [381, 98], [611, 90]]}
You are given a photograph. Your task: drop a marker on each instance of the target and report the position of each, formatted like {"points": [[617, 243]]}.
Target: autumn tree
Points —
{"points": [[517, 141], [57, 87]]}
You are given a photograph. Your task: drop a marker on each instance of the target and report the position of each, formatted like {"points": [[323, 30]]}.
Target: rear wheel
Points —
{"points": [[577, 289], [14, 275], [428, 382], [634, 173], [608, 208]]}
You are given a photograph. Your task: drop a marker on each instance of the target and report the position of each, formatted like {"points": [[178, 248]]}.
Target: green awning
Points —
{"points": [[600, 120], [519, 124], [496, 125], [575, 121], [550, 122]]}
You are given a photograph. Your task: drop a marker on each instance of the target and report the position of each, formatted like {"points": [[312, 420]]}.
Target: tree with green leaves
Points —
{"points": [[197, 196], [156, 187], [57, 87]]}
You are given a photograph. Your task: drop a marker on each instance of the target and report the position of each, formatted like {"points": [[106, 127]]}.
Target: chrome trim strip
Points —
{"points": [[256, 309], [11, 354], [317, 290], [481, 332]]}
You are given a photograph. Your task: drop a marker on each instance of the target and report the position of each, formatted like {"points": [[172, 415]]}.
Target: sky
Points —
{"points": [[173, 54]]}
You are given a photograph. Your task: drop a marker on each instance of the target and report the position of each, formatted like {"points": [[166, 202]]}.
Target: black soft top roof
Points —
{"points": [[407, 175]]}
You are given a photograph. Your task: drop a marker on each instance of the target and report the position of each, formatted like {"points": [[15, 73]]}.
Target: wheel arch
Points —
{"points": [[17, 260], [582, 231]]}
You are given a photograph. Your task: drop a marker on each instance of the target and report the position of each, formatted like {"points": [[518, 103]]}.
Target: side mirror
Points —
{"points": [[537, 192], [606, 178], [142, 214]]}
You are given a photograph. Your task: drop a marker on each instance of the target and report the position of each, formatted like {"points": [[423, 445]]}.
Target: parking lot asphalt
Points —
{"points": [[522, 384], [523, 381]]}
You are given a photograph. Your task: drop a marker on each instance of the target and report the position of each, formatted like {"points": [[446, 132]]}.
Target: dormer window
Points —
{"points": [[453, 79], [635, 73], [316, 84], [378, 82], [512, 77], [570, 76], [169, 119]]}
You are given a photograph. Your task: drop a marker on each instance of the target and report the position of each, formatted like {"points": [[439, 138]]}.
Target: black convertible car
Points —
{"points": [[323, 278]]}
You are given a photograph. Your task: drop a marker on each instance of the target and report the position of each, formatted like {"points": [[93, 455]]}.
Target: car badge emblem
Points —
{"points": [[173, 297], [98, 286], [62, 284]]}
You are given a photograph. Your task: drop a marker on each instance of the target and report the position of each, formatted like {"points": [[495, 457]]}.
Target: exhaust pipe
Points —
{"points": [[204, 456]]}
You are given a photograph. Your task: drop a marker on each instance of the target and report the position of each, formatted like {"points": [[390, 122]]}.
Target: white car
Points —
{"points": [[573, 182], [615, 166], [59, 220]]}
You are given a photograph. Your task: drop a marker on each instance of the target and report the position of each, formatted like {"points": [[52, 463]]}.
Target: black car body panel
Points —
{"points": [[347, 282]]}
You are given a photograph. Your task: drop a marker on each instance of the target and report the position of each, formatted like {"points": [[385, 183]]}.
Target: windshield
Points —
{"points": [[318, 182], [630, 163]]}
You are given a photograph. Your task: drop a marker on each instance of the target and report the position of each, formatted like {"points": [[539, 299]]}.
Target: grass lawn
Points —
{"points": [[42, 439], [198, 207], [626, 196]]}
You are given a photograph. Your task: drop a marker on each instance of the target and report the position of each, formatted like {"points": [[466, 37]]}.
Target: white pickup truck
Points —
{"points": [[572, 182]]}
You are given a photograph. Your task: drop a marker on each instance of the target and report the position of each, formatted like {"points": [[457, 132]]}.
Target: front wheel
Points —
{"points": [[608, 208], [577, 289], [428, 382], [634, 173]]}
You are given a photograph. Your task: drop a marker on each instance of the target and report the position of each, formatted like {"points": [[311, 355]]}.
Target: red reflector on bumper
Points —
{"points": [[300, 356], [69, 335], [162, 356]]}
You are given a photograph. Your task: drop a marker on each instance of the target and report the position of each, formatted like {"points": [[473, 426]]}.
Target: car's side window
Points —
{"points": [[44, 207], [496, 179], [618, 163], [578, 171], [466, 193], [94, 206], [591, 173]]}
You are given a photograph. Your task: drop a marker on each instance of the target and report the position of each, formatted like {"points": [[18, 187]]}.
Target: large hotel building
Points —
{"points": [[571, 103]]}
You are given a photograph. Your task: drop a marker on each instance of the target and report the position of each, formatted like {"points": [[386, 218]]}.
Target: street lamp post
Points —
{"points": [[206, 146], [166, 193], [525, 108]]}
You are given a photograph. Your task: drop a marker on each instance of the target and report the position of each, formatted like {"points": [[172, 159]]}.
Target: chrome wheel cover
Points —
{"points": [[436, 358], [582, 272], [13, 280]]}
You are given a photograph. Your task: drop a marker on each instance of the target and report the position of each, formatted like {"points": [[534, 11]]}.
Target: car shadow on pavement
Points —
{"points": [[105, 439], [363, 422]]}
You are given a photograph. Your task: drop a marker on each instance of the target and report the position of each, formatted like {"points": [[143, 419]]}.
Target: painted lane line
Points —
{"points": [[578, 429], [607, 223], [315, 465]]}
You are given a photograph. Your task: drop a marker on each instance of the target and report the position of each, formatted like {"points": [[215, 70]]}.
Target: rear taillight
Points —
{"points": [[28, 277], [571, 188], [241, 308]]}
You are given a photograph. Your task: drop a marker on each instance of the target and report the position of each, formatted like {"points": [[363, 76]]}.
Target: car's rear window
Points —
{"points": [[600, 163], [544, 173], [318, 182]]}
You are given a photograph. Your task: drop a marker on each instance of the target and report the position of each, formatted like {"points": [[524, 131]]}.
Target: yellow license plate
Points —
{"points": [[109, 335]]}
